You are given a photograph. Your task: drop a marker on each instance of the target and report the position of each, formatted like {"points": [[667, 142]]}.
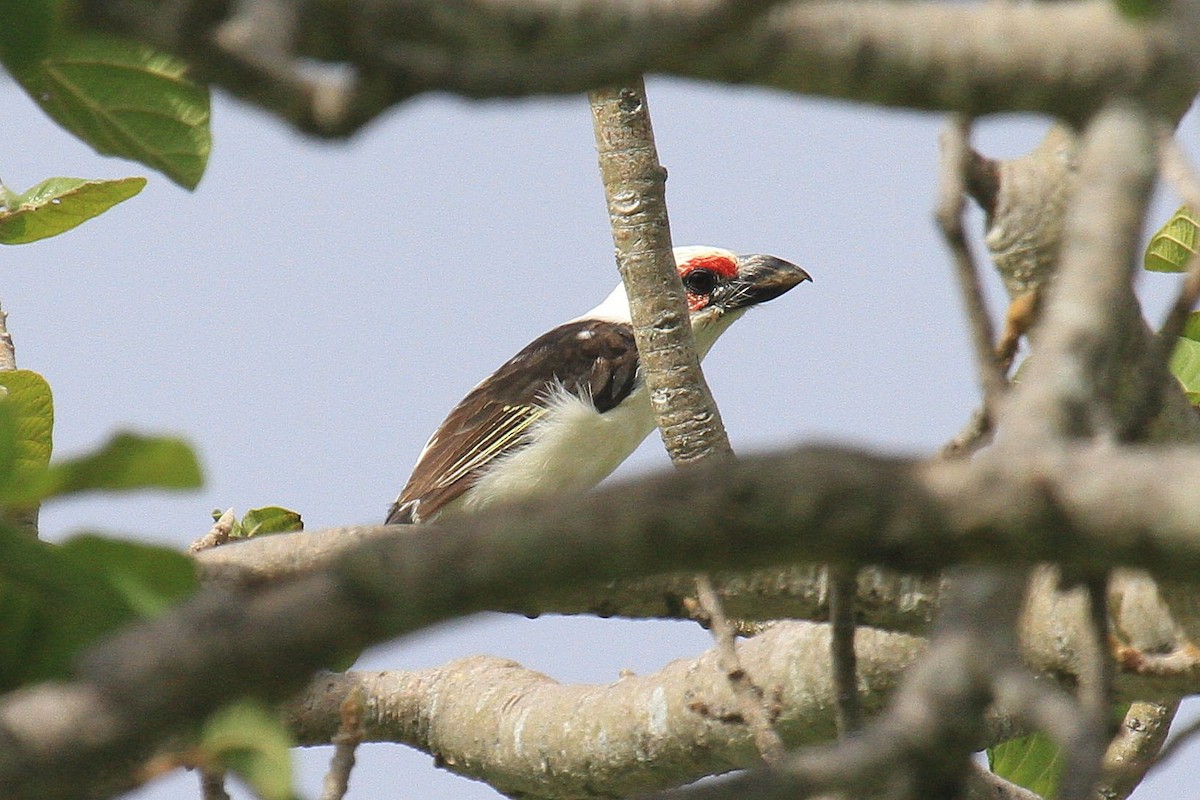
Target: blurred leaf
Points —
{"points": [[1140, 9], [1185, 365], [148, 579], [1191, 330], [128, 461], [25, 34], [1173, 244], [1033, 761], [59, 599], [250, 739], [125, 99], [10, 451], [59, 204], [268, 520]]}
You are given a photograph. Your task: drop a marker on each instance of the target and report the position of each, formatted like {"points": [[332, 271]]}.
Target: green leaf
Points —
{"points": [[250, 739], [27, 397], [1185, 364], [1191, 330], [1173, 244], [125, 99], [148, 579], [1033, 761], [26, 421], [59, 204], [1140, 9], [59, 599], [25, 34], [127, 461], [268, 520]]}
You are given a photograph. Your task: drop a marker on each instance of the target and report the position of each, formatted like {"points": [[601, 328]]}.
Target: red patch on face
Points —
{"points": [[722, 266]]}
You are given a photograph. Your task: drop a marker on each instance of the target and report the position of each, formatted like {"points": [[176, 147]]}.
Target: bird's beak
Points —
{"points": [[762, 278]]}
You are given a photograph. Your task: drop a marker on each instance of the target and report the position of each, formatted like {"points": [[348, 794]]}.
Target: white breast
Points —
{"points": [[574, 448]]}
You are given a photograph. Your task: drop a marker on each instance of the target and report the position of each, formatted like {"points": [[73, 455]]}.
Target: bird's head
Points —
{"points": [[721, 285]]}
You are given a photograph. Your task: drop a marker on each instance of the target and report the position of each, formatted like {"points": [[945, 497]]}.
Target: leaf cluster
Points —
{"points": [[59, 599], [122, 98]]}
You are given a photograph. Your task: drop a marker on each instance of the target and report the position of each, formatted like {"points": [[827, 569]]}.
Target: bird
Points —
{"points": [[565, 411]]}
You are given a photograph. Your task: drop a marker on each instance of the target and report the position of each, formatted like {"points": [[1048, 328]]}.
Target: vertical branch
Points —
{"points": [[345, 742], [635, 187], [749, 698], [1095, 695], [1091, 321], [955, 158], [843, 589], [684, 409], [1092, 331], [212, 784]]}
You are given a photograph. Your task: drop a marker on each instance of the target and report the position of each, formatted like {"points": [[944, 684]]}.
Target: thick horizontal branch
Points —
{"points": [[1092, 508], [1063, 59], [889, 600], [525, 734]]}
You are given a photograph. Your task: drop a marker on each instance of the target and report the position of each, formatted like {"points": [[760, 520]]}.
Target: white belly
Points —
{"points": [[574, 448]]}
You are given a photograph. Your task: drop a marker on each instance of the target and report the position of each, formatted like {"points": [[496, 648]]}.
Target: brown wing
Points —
{"points": [[592, 358]]}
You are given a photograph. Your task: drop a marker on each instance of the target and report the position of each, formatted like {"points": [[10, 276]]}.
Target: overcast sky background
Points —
{"points": [[308, 316]]}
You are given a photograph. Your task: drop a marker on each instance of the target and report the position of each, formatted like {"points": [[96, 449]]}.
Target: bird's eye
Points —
{"points": [[700, 281]]}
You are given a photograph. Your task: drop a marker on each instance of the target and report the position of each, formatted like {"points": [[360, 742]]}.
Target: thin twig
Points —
{"points": [[1177, 316], [8, 354], [217, 535], [1177, 169], [955, 159], [976, 434], [843, 588], [1177, 741], [983, 784], [212, 784], [1084, 751], [1046, 707], [1019, 319], [1134, 751], [345, 742], [1096, 669], [750, 699]]}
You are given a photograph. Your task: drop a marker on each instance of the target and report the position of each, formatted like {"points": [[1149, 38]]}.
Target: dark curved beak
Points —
{"points": [[760, 278]]}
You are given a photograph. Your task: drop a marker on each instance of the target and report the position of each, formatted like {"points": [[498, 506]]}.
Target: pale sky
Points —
{"points": [[310, 313]]}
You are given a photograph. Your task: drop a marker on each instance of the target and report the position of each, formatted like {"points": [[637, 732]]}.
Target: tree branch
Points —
{"points": [[1064, 60], [921, 745], [1085, 507], [635, 187], [492, 719], [1079, 385], [430, 710]]}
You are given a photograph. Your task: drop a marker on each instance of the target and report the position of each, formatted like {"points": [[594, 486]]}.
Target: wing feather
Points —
{"points": [[592, 358]]}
